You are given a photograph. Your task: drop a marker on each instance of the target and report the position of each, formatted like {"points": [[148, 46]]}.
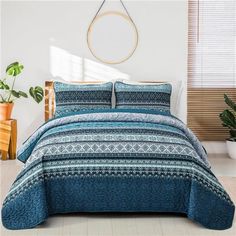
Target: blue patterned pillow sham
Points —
{"points": [[76, 97], [154, 97]]}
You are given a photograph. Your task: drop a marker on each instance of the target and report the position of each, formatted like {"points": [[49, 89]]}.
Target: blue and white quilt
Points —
{"points": [[115, 161]]}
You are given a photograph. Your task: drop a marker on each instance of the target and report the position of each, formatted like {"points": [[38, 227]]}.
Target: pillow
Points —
{"points": [[176, 92], [139, 96], [76, 97]]}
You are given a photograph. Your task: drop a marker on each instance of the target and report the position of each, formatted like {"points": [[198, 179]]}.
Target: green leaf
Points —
{"points": [[23, 94], [4, 85], [228, 119], [14, 69], [31, 92], [233, 133], [230, 103], [15, 93], [36, 93], [1, 85]]}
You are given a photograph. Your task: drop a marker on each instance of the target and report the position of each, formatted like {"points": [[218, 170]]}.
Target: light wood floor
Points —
{"points": [[122, 224]]}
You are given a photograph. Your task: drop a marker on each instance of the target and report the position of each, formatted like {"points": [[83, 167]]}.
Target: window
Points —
{"points": [[211, 65]]}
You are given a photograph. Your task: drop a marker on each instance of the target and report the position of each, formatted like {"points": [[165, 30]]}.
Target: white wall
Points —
{"points": [[30, 29]]}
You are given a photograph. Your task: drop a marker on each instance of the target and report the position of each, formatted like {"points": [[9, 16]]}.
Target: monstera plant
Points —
{"points": [[228, 118], [8, 92]]}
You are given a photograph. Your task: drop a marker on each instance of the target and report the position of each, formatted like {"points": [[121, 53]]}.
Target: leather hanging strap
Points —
{"points": [[123, 5]]}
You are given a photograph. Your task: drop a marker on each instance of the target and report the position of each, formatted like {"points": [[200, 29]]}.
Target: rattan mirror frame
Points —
{"points": [[125, 17]]}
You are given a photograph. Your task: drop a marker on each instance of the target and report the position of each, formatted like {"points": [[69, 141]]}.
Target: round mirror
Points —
{"points": [[112, 37]]}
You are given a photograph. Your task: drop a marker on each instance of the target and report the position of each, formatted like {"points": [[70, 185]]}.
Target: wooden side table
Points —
{"points": [[8, 138]]}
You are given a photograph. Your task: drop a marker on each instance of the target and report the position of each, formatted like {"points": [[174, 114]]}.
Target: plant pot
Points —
{"points": [[5, 111], [231, 147]]}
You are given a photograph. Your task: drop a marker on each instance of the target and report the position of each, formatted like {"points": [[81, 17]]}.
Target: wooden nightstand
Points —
{"points": [[8, 138]]}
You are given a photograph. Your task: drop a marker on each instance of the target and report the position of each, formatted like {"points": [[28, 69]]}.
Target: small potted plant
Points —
{"points": [[228, 117], [8, 94]]}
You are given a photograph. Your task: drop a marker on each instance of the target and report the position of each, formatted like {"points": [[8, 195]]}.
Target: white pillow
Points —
{"points": [[177, 88]]}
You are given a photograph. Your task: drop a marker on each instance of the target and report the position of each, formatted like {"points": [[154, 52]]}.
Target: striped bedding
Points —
{"points": [[115, 160]]}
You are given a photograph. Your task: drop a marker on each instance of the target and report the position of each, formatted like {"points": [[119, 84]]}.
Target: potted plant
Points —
{"points": [[228, 117], [8, 94]]}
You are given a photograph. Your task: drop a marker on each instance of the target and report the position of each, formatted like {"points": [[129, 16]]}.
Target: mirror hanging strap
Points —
{"points": [[123, 5]]}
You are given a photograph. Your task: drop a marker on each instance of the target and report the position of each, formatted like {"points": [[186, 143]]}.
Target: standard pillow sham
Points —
{"points": [[154, 97], [176, 93], [76, 97]]}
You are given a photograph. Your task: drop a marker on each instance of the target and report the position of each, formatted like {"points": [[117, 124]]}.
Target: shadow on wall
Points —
{"points": [[68, 67]]}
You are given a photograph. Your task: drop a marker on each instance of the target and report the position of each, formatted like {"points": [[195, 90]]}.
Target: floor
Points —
{"points": [[123, 224]]}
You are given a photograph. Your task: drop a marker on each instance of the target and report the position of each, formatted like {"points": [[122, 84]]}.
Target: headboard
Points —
{"points": [[49, 100], [50, 96], [49, 107]]}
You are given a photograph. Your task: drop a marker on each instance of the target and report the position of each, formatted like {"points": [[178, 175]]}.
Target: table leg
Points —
{"points": [[4, 155], [12, 145], [12, 151]]}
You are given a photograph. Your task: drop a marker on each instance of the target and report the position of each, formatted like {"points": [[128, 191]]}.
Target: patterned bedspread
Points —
{"points": [[115, 161]]}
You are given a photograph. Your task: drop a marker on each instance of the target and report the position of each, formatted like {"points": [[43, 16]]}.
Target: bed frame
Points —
{"points": [[49, 107]]}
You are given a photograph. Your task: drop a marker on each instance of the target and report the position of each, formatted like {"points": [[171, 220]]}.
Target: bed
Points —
{"points": [[114, 160]]}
